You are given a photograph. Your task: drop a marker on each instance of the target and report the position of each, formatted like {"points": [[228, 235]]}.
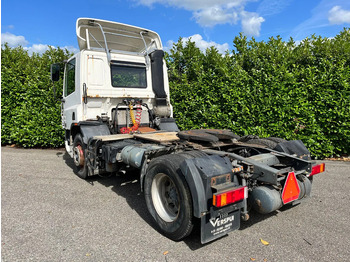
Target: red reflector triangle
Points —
{"points": [[291, 189]]}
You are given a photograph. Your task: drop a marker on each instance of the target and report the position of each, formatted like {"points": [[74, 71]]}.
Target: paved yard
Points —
{"points": [[49, 214]]}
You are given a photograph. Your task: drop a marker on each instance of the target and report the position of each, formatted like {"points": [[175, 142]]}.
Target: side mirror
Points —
{"points": [[55, 72]]}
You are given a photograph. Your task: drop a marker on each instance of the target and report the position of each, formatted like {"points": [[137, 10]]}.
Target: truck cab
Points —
{"points": [[119, 78]]}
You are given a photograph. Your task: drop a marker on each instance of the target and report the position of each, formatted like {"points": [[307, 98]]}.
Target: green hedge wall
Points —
{"points": [[274, 88], [30, 115]]}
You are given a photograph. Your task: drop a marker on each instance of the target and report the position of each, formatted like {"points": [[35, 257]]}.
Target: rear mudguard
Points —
{"points": [[215, 222], [198, 173], [93, 128], [294, 147]]}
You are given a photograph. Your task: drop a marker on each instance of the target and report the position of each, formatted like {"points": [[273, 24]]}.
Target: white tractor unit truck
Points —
{"points": [[117, 117]]}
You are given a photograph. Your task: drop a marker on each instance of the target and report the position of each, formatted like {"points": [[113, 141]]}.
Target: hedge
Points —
{"points": [[273, 88], [30, 115]]}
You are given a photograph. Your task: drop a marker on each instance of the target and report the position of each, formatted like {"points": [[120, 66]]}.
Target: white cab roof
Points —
{"points": [[94, 34]]}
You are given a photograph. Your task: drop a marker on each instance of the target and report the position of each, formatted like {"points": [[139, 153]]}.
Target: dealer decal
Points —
{"points": [[213, 227], [218, 222]]}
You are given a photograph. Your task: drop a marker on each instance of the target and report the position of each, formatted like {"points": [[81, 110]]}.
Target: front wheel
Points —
{"points": [[79, 157], [168, 197]]}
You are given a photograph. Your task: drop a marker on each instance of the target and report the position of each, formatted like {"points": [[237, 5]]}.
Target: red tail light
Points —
{"points": [[229, 197], [318, 169]]}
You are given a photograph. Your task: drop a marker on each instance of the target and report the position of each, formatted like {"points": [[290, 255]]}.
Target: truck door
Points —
{"points": [[71, 98]]}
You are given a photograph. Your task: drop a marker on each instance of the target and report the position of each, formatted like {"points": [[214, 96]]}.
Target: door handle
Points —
{"points": [[84, 93]]}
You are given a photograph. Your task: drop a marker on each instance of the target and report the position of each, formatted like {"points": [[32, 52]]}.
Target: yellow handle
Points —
{"points": [[132, 115]]}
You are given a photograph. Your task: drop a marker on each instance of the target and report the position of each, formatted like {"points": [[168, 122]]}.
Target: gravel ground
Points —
{"points": [[49, 214]]}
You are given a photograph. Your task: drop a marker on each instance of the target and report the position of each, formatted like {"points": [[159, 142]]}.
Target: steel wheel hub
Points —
{"points": [[78, 156], [165, 197]]}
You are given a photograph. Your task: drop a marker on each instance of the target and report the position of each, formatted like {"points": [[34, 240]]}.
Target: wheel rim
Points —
{"points": [[78, 156], [165, 197]]}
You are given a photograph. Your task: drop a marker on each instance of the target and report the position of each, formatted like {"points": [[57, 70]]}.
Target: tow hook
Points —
{"points": [[245, 217]]}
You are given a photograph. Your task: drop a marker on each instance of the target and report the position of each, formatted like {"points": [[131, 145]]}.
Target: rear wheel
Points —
{"points": [[79, 157], [264, 142], [245, 139], [276, 139], [168, 197]]}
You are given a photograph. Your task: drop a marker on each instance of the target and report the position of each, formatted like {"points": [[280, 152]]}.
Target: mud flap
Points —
{"points": [[218, 226], [93, 128]]}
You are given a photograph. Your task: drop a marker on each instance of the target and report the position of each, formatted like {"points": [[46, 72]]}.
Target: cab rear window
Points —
{"points": [[129, 75]]}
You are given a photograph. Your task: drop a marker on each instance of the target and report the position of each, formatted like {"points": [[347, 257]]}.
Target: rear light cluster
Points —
{"points": [[318, 169], [229, 197]]}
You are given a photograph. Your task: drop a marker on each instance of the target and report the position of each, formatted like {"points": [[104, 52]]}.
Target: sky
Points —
{"points": [[37, 24]]}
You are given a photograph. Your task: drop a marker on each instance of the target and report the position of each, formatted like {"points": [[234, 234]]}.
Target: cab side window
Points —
{"points": [[69, 85]]}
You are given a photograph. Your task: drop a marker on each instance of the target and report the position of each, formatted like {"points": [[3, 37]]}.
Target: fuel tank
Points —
{"points": [[266, 199]]}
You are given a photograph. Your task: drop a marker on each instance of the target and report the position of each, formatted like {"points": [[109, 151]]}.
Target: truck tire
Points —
{"points": [[264, 142], [245, 139], [168, 197], [276, 139], [79, 157]]}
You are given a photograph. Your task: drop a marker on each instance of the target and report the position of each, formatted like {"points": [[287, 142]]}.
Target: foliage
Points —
{"points": [[274, 88], [30, 115]]}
